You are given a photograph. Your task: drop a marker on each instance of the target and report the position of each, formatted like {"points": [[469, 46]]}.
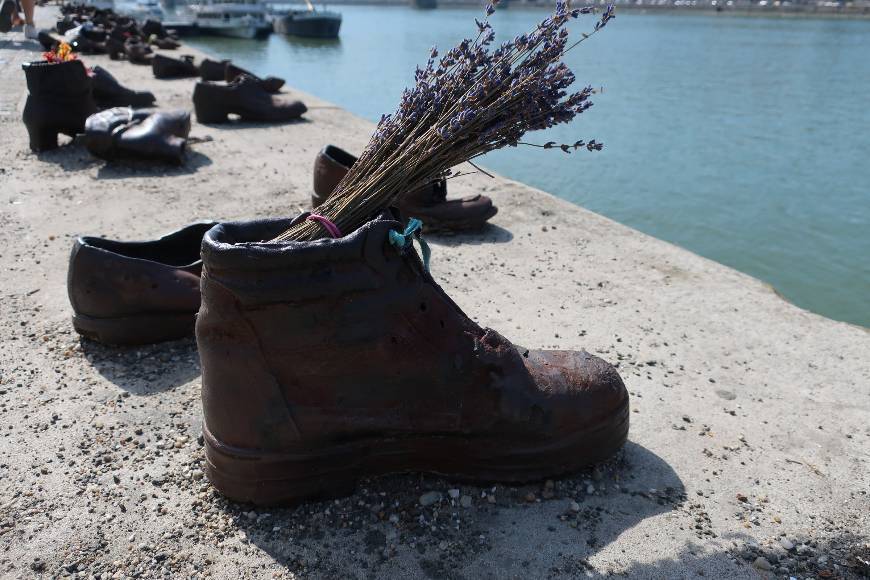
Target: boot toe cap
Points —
{"points": [[584, 389]]}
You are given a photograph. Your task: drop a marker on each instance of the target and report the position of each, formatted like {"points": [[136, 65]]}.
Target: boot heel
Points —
{"points": [[132, 330], [268, 478], [42, 138]]}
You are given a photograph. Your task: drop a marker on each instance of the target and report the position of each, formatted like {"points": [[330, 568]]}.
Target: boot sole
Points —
{"points": [[265, 478], [135, 330], [456, 226]]}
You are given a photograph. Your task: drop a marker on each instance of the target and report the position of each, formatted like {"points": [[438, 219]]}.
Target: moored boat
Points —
{"points": [[235, 19], [143, 10], [309, 23]]}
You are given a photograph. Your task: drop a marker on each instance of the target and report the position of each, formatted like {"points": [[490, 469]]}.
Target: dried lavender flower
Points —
{"points": [[471, 101]]}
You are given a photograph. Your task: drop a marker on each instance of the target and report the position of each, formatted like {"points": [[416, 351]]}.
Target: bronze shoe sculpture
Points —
{"points": [[165, 67], [48, 40], [269, 84], [213, 70], [108, 92], [155, 28], [93, 32], [137, 52], [327, 361], [83, 45], [428, 203], [224, 70], [164, 43], [115, 48], [246, 98], [123, 132], [127, 293]]}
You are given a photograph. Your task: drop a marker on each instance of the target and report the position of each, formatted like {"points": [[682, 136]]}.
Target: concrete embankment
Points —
{"points": [[749, 440]]}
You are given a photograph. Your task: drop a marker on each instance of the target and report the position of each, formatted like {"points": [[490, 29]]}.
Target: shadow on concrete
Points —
{"points": [[490, 234], [26, 45], [123, 168], [845, 556], [692, 561], [71, 156], [383, 531], [145, 370]]}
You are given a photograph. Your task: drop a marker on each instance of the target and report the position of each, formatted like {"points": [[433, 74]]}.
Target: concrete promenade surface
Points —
{"points": [[749, 452]]}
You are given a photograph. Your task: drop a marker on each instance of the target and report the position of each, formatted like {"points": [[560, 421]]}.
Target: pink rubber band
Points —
{"points": [[326, 223]]}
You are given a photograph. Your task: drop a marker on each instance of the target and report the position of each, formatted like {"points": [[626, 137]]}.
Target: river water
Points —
{"points": [[745, 140]]}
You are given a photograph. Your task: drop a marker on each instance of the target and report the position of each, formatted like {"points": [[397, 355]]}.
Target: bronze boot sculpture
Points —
{"points": [[164, 67], [60, 100], [327, 361], [428, 203]]}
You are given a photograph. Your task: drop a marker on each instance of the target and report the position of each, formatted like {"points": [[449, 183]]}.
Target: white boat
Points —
{"points": [[146, 10], [139, 9], [236, 19], [311, 23]]}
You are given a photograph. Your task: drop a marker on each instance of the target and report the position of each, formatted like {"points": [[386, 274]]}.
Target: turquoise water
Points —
{"points": [[744, 140]]}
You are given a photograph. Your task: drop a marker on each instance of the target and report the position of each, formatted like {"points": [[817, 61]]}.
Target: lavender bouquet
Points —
{"points": [[473, 100]]}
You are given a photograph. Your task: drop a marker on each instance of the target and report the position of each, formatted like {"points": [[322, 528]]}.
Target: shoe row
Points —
{"points": [[125, 293], [165, 67], [65, 97], [236, 92], [63, 94], [91, 30], [420, 386]]}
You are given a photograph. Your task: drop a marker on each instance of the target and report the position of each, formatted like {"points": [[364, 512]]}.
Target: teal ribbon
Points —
{"points": [[404, 240]]}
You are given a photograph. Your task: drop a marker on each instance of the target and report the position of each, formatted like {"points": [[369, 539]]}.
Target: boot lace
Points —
{"points": [[405, 240]]}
